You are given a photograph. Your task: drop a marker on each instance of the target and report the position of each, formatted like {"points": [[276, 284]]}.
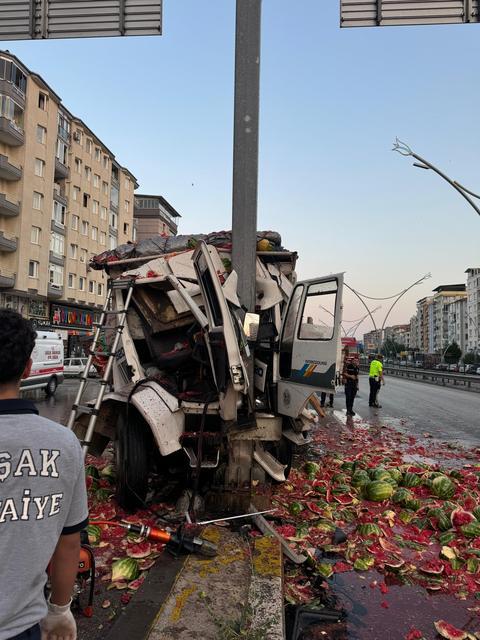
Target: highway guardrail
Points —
{"points": [[432, 376]]}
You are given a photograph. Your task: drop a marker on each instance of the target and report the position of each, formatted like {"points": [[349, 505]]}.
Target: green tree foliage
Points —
{"points": [[469, 358], [453, 353]]}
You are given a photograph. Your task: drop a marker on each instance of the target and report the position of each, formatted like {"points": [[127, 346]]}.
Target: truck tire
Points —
{"points": [[132, 449], [51, 387]]}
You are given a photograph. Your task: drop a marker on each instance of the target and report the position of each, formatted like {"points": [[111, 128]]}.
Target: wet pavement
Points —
{"points": [[58, 407]]}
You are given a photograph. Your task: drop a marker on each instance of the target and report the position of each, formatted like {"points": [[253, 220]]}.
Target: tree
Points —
{"points": [[391, 348], [453, 353], [470, 358]]}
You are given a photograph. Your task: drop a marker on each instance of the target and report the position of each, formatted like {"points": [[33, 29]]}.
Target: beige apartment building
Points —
{"points": [[63, 198], [154, 215]]}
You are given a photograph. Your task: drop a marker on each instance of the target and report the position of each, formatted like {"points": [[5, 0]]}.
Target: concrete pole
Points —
{"points": [[245, 147]]}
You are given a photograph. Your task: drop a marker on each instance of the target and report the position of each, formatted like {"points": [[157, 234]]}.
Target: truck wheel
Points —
{"points": [[51, 387], [132, 460]]}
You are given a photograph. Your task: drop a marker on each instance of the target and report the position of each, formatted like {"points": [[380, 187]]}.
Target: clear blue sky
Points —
{"points": [[332, 101]]}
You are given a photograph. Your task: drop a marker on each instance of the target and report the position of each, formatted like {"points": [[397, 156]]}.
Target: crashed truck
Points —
{"points": [[183, 395]]}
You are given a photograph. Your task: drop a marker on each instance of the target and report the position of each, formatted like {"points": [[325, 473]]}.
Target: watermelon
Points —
{"points": [[411, 480], [378, 491], [341, 489], [339, 478], [432, 567], [443, 487], [343, 499], [476, 513], [401, 495], [146, 564], [124, 569], [324, 569], [381, 474], [396, 474], [325, 526], [393, 563], [295, 508], [447, 537], [311, 469], [360, 478], [456, 563], [412, 505], [447, 553], [455, 473], [134, 585], [459, 517], [369, 529], [472, 565], [448, 631], [439, 518], [349, 467], [471, 530], [364, 564], [91, 470], [140, 550], [94, 534], [103, 494], [405, 516]]}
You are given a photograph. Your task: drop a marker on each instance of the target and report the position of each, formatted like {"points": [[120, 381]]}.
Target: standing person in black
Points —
{"points": [[350, 376]]}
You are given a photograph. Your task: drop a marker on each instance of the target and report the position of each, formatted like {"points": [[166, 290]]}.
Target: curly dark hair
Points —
{"points": [[17, 339]]}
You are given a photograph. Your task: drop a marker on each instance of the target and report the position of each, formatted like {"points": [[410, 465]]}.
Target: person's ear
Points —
{"points": [[28, 369]]}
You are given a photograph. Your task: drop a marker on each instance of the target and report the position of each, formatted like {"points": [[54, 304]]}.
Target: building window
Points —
{"points": [[57, 244], [91, 286], [134, 234], [84, 228], [38, 201], [35, 235], [96, 207], [55, 275], [33, 269], [96, 181], [73, 251], [95, 233], [12, 111], [126, 228], [112, 242], [103, 238], [75, 221], [99, 289], [78, 165], [127, 184], [113, 220], [76, 193], [98, 154], [88, 146], [86, 199], [88, 173], [81, 283], [41, 134], [71, 281], [39, 167], [127, 206], [62, 152], [42, 101], [103, 213], [59, 212], [63, 127], [105, 188], [83, 255], [105, 162]]}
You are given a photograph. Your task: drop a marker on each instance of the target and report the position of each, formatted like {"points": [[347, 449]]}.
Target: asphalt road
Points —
{"points": [[58, 406], [446, 413]]}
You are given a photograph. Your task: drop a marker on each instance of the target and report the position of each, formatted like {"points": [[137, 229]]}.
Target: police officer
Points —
{"points": [[350, 377], [375, 379]]}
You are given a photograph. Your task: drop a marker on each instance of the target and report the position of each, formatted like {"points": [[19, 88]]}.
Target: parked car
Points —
{"points": [[47, 363], [74, 367], [461, 368], [441, 366], [478, 371], [453, 367], [471, 368], [418, 364], [403, 363]]}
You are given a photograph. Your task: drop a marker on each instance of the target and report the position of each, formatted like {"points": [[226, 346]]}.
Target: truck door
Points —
{"points": [[310, 345], [221, 337]]}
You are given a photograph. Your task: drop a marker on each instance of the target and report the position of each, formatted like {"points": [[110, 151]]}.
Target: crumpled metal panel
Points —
{"points": [[371, 13]]}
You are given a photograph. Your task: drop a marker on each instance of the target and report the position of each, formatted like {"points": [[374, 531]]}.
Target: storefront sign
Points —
{"points": [[72, 317], [38, 309]]}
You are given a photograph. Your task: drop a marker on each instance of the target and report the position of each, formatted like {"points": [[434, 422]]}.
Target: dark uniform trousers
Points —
{"points": [[350, 393], [374, 389]]}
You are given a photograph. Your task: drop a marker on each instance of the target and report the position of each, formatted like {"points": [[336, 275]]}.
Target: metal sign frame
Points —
{"points": [[51, 19], [380, 13]]}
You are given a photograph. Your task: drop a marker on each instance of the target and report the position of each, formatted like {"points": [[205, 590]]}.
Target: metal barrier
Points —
{"points": [[431, 376]]}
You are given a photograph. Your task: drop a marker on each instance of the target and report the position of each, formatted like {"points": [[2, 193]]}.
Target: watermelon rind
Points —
{"points": [[448, 631]]}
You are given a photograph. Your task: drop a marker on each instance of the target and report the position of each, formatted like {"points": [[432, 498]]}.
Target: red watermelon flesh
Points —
{"points": [[139, 550], [432, 567], [448, 631], [460, 517]]}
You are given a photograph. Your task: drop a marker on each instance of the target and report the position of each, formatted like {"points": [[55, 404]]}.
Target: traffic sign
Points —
{"points": [[380, 13], [45, 19]]}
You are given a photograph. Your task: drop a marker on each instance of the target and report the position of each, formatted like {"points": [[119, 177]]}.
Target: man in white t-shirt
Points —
{"points": [[43, 502]]}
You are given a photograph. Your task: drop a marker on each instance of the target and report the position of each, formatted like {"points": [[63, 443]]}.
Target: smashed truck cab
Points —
{"points": [[199, 385]]}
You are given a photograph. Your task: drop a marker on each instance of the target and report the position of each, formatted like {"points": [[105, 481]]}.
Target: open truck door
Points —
{"points": [[310, 343]]}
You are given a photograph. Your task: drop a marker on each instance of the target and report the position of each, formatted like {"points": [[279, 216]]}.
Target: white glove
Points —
{"points": [[59, 623]]}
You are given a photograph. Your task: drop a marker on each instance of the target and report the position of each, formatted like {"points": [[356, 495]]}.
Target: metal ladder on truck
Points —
{"points": [[93, 409]]}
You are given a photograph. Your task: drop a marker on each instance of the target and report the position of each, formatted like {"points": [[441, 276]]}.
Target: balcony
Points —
{"points": [[57, 227], [54, 291], [61, 170], [8, 243], [57, 259], [9, 171], [10, 133], [59, 194], [7, 279], [8, 209]]}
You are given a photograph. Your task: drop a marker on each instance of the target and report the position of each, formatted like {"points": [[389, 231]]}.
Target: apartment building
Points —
{"points": [[63, 198], [399, 333], [372, 341], [473, 309], [425, 325], [443, 296], [154, 215], [457, 322], [414, 333]]}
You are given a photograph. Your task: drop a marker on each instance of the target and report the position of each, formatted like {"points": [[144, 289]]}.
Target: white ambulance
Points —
{"points": [[47, 368]]}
